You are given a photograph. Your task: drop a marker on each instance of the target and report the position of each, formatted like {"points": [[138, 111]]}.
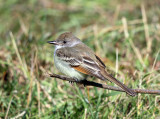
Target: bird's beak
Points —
{"points": [[53, 42]]}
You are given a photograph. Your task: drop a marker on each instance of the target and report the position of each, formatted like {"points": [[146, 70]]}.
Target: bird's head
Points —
{"points": [[66, 39]]}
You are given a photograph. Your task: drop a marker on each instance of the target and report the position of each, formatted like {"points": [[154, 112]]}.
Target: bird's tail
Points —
{"points": [[117, 82]]}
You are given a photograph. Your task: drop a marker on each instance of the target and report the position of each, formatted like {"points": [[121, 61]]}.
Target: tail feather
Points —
{"points": [[117, 82]]}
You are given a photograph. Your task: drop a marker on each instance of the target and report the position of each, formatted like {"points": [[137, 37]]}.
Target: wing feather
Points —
{"points": [[81, 63], [100, 61]]}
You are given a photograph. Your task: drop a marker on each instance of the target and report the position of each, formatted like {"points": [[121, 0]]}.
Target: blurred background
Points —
{"points": [[125, 34]]}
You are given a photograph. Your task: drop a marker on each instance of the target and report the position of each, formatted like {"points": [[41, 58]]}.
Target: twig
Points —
{"points": [[91, 83]]}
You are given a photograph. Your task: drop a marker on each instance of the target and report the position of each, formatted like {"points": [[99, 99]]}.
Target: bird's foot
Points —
{"points": [[71, 82], [78, 81]]}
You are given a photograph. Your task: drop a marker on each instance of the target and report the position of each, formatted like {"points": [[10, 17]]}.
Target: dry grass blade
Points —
{"points": [[117, 65], [19, 115], [23, 66], [8, 108], [135, 49], [38, 97], [146, 29]]}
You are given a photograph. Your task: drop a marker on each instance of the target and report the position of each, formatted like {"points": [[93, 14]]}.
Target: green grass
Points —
{"points": [[25, 57]]}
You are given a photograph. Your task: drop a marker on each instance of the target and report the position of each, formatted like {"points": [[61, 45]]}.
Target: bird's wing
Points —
{"points": [[80, 61]]}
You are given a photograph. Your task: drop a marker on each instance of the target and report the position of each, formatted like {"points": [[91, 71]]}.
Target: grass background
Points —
{"points": [[125, 34]]}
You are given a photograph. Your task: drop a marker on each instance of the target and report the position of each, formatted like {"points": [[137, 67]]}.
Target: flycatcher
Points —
{"points": [[75, 59]]}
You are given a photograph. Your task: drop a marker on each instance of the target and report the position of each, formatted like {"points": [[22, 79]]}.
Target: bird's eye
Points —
{"points": [[64, 41]]}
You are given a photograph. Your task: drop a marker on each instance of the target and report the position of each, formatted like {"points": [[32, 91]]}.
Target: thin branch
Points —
{"points": [[91, 83]]}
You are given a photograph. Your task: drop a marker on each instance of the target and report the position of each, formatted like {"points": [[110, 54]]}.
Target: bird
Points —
{"points": [[75, 59]]}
